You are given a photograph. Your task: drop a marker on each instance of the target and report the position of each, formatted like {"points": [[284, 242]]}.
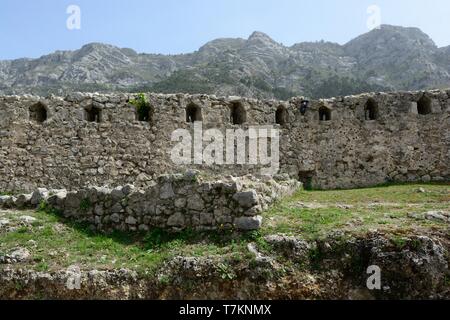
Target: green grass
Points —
{"points": [[402, 193], [55, 243], [68, 244], [60, 244], [314, 214]]}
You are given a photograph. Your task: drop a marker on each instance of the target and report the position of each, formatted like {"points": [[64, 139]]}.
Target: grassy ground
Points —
{"points": [[314, 214], [56, 244]]}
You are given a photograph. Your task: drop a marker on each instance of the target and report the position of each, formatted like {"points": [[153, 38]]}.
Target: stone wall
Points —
{"points": [[50, 142], [175, 202]]}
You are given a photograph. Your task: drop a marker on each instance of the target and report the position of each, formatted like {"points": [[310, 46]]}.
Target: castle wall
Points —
{"points": [[349, 151], [66, 151]]}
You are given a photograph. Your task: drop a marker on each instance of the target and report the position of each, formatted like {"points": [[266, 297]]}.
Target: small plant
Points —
{"points": [[399, 242], [22, 230], [315, 257], [252, 235], [43, 206], [85, 205], [226, 272], [143, 108], [42, 267], [258, 239], [19, 286], [447, 279], [263, 245], [416, 244], [164, 280]]}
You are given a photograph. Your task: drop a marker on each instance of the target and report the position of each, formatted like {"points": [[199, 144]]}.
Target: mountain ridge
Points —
{"points": [[389, 58]]}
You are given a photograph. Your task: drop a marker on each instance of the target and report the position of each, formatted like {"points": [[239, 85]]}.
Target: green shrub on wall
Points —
{"points": [[143, 108]]}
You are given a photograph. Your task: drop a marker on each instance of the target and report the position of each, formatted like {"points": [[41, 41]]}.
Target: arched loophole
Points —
{"points": [[38, 113], [371, 110], [424, 105], [324, 114], [238, 114], [145, 115], [281, 116], [306, 177], [93, 114], [144, 110], [193, 113]]}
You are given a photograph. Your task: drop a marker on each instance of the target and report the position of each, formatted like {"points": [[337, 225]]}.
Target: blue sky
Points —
{"points": [[31, 28]]}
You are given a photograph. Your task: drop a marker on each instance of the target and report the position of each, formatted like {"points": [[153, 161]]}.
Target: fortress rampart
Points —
{"points": [[95, 139]]}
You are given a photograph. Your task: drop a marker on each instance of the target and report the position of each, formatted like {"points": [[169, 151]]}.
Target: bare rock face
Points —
{"points": [[419, 266], [4, 223], [176, 220], [332, 268], [248, 223], [437, 216], [41, 194], [23, 201], [7, 201], [18, 255], [408, 270], [291, 247], [377, 49], [440, 216], [246, 199], [27, 219], [56, 197]]}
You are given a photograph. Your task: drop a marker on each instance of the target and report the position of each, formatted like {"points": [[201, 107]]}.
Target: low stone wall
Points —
{"points": [[175, 202]]}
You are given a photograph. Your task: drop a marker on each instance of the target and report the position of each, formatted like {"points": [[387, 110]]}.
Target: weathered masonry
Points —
{"points": [[94, 139], [174, 202]]}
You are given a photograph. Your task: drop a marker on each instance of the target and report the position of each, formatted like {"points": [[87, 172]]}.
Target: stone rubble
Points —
{"points": [[16, 256]]}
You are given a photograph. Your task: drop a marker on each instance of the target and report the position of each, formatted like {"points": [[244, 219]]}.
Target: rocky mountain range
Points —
{"points": [[385, 59]]}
